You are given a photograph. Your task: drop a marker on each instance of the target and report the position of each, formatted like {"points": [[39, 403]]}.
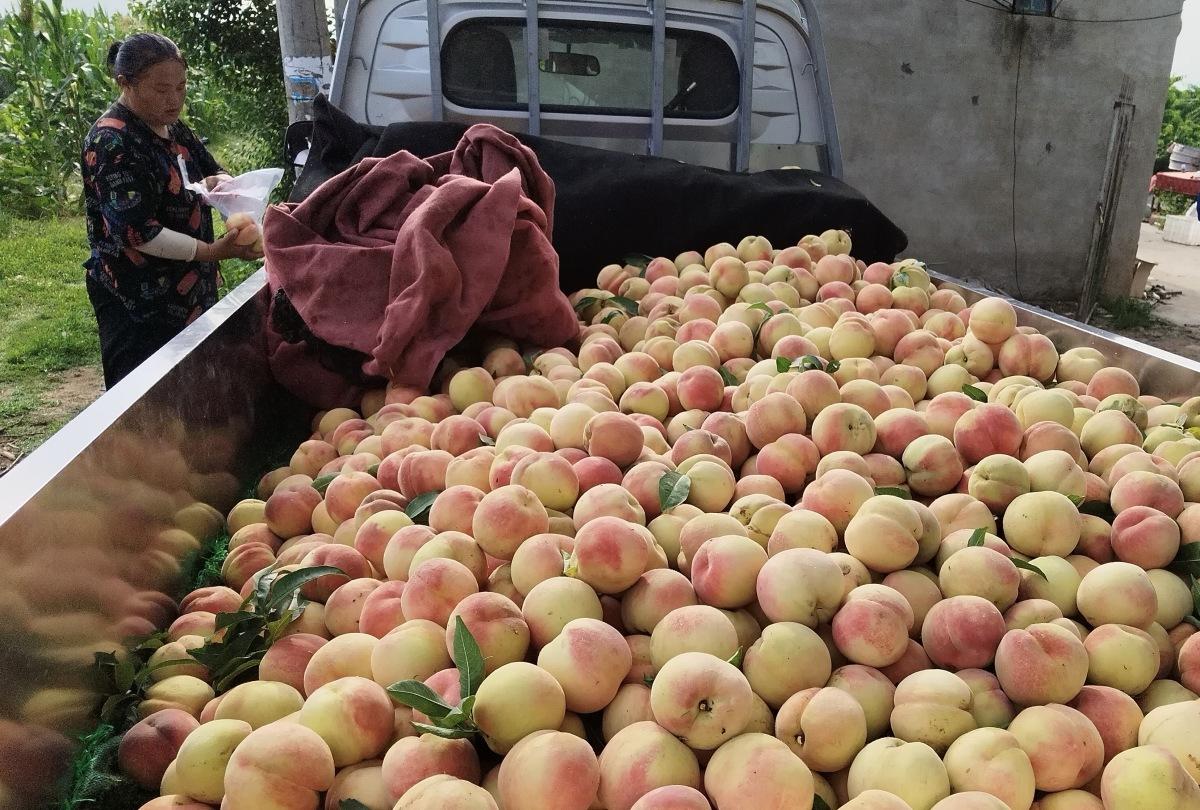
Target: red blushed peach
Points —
{"points": [[987, 430], [434, 589], [1112, 380], [289, 512], [837, 496], [732, 430], [843, 426], [502, 465], [700, 387], [1063, 746], [244, 562], [814, 390], [1027, 356], [152, 744], [895, 429], [382, 610], [539, 558], [350, 562], [868, 395], [255, 533], [283, 765], [550, 769], [725, 569], [590, 660], [1042, 664], [287, 659], [871, 628], [1115, 715], [348, 490], [789, 460], [610, 554], [1117, 593], [1042, 436], [214, 599], [414, 759], [932, 465], [353, 715], [400, 549], [344, 656], [772, 417], [1145, 537], [642, 482], [946, 410], [344, 607], [614, 436], [1140, 488], [912, 661], [423, 471], [997, 481], [883, 534], [311, 456], [497, 625], [962, 632], [554, 602], [956, 540], [655, 594], [506, 517], [607, 500], [701, 442], [981, 571], [592, 472]]}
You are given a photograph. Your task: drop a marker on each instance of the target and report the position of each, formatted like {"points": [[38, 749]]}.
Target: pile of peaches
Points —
{"points": [[781, 530]]}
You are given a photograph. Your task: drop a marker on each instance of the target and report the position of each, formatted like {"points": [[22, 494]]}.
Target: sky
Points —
{"points": [[1187, 48]]}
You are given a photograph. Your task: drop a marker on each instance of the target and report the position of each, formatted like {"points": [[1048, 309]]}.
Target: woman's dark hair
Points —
{"points": [[140, 52]]}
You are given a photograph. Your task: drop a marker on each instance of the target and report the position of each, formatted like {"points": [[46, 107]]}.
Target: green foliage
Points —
{"points": [[96, 780], [450, 722], [1128, 313], [1172, 202], [1181, 118], [236, 96], [55, 84]]}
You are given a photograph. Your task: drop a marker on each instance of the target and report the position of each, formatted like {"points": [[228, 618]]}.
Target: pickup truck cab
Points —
{"points": [[739, 86]]}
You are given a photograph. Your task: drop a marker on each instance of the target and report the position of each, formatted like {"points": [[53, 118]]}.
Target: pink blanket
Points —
{"points": [[389, 263]]}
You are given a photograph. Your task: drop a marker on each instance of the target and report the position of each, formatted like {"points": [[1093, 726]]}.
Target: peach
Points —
{"points": [[725, 569], [701, 699], [641, 758], [446, 791], [506, 517], [282, 766], [1117, 593], [353, 715], [1173, 727], [962, 632], [773, 416], [933, 707], [469, 386], [1148, 776], [259, 702], [345, 656], [182, 692], [550, 769], [553, 603], [352, 564], [1080, 364], [1043, 663], [631, 705], [1063, 746], [872, 626], [785, 660], [1114, 714], [1122, 657], [539, 558], [607, 500], [1042, 524], [152, 744], [413, 759], [199, 769], [883, 534], [980, 571], [801, 528], [610, 554], [989, 705], [694, 628], [497, 625], [516, 700], [1145, 537], [1107, 429], [415, 650], [757, 770], [288, 512], [673, 797], [799, 585], [590, 660], [986, 430], [932, 465], [789, 460], [825, 727], [843, 426], [655, 594], [837, 496], [1140, 488], [911, 771], [343, 609], [993, 320]]}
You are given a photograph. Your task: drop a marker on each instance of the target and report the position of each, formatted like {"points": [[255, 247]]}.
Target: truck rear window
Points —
{"points": [[588, 67]]}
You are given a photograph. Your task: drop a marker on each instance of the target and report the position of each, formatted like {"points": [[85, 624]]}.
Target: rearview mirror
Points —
{"points": [[570, 64]]}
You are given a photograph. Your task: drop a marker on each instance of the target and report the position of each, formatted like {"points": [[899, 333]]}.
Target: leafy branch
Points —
{"points": [[450, 722]]}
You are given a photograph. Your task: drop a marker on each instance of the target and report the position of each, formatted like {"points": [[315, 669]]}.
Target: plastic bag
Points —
{"points": [[247, 193]]}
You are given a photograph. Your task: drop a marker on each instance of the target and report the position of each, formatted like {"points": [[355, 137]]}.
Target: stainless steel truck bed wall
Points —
{"points": [[88, 523]]}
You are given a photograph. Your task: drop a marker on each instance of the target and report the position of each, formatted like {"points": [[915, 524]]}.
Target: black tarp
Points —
{"points": [[610, 204]]}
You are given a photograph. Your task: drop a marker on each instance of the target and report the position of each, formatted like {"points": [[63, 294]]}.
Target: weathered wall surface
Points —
{"points": [[985, 134]]}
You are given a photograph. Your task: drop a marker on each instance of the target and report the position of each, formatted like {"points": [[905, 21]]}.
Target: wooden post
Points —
{"points": [[307, 63]]}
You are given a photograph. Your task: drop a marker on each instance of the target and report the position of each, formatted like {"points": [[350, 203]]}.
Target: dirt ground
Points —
{"points": [[65, 395]]}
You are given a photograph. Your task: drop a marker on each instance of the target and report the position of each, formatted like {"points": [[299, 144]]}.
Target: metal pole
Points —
{"points": [[532, 68], [657, 67], [434, 23], [746, 97], [341, 62], [304, 46]]}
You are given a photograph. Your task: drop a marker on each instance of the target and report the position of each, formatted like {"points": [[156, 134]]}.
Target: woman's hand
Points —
{"points": [[226, 248], [211, 182]]}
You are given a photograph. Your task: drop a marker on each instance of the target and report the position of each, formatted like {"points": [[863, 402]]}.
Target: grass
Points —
{"points": [[1129, 313], [47, 325]]}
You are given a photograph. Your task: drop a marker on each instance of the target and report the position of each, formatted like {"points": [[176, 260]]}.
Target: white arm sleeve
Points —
{"points": [[171, 244]]}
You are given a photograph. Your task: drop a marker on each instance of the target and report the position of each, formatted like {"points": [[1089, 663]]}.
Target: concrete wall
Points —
{"points": [[985, 134]]}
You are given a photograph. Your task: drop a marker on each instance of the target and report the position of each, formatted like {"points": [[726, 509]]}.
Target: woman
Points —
{"points": [[153, 267]]}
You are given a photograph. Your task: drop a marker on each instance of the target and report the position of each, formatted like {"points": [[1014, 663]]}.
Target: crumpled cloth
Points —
{"points": [[385, 267]]}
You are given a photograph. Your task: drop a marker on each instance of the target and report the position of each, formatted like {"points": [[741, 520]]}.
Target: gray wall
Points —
{"points": [[925, 93]]}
